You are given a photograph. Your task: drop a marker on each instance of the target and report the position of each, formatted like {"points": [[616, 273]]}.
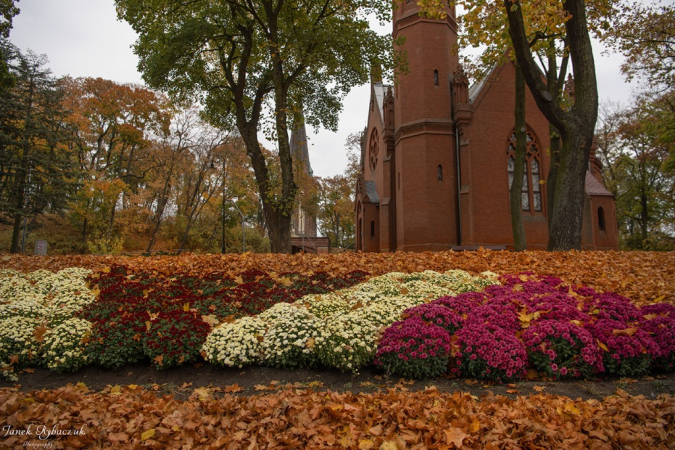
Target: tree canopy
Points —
{"points": [[645, 36], [237, 57]]}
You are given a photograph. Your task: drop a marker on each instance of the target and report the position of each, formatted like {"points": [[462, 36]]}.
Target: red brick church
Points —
{"points": [[437, 156]]}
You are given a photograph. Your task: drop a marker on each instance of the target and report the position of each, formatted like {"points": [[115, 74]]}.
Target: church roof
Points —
{"points": [[380, 91], [371, 192], [299, 148], [475, 88], [595, 187]]}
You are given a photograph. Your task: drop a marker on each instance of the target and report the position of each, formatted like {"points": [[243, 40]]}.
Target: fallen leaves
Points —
{"points": [[39, 333], [303, 418], [148, 434], [644, 277], [234, 388], [455, 436]]}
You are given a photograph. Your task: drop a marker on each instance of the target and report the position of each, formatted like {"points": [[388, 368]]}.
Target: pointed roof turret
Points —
{"points": [[299, 147]]}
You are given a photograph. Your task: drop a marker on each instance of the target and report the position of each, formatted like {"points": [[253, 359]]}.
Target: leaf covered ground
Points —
{"points": [[132, 417], [644, 277], [298, 417]]}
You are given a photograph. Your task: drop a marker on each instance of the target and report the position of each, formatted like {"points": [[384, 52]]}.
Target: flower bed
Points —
{"points": [[342, 328], [31, 305], [545, 325], [414, 348], [486, 330], [67, 319]]}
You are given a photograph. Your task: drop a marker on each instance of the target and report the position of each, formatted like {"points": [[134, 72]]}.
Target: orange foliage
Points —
{"points": [[131, 417], [644, 277]]}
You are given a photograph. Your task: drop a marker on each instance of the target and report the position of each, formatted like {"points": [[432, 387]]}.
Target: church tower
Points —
{"points": [[426, 170], [302, 224]]}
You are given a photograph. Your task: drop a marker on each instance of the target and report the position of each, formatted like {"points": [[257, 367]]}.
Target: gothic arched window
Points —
{"points": [[374, 148], [601, 218], [531, 187]]}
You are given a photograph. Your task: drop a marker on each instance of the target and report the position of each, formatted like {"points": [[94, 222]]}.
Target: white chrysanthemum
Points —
{"points": [[290, 340], [55, 316], [278, 311], [324, 305], [36, 299], [74, 272], [348, 342], [67, 298], [487, 278], [13, 286], [10, 273], [25, 305], [236, 344], [458, 273], [425, 289], [17, 339], [43, 281], [65, 346]]}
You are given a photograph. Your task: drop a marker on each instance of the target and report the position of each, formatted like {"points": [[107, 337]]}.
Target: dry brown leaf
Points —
{"points": [[234, 388], [455, 436], [39, 333]]}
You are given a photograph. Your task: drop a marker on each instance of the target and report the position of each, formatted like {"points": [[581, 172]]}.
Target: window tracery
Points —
{"points": [[531, 194], [374, 149]]}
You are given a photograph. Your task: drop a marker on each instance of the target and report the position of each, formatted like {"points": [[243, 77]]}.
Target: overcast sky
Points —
{"points": [[83, 38]]}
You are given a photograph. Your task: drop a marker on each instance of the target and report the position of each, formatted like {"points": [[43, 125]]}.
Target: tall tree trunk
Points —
{"points": [[158, 222], [194, 213], [566, 221], [576, 126], [16, 234], [280, 240], [84, 232], [277, 220], [552, 170], [644, 218], [516, 197], [282, 208], [19, 214], [554, 81], [278, 211]]}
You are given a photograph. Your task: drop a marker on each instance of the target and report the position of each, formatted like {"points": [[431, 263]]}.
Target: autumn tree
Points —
{"points": [[336, 210], [485, 25], [539, 24], [114, 125], [645, 35], [576, 124], [8, 10], [37, 169], [353, 148], [236, 56], [169, 155], [217, 175], [636, 145]]}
